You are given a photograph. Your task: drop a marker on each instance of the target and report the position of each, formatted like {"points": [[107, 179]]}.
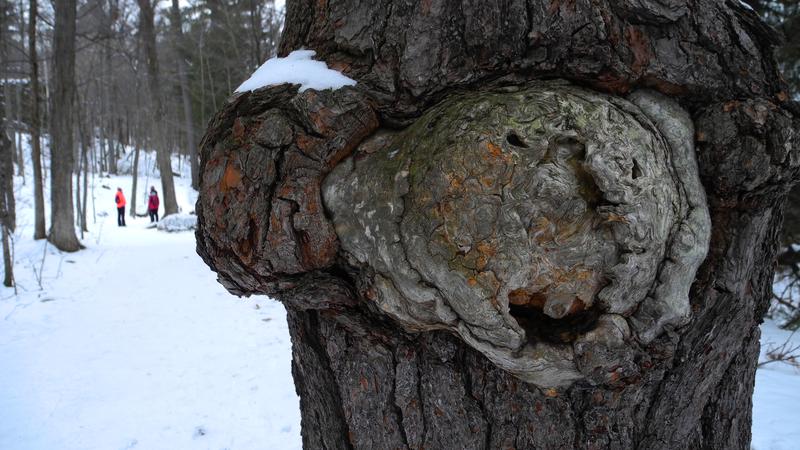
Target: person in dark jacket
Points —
{"points": [[120, 200], [152, 204]]}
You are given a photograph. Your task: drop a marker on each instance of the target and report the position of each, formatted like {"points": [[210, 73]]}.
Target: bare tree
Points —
{"points": [[148, 36], [62, 144], [183, 80], [7, 214], [135, 177], [7, 207], [35, 120]]}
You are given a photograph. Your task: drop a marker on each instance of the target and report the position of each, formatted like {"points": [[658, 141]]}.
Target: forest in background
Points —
{"points": [[101, 76], [204, 50], [149, 75]]}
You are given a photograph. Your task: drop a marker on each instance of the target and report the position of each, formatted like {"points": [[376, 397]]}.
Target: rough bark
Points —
{"points": [[62, 143], [36, 140], [163, 158], [370, 377]]}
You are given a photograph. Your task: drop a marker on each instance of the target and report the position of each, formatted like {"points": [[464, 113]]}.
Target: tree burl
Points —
{"points": [[533, 222]]}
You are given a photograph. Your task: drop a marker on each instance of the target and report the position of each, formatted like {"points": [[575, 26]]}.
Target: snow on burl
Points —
{"points": [[296, 68]]}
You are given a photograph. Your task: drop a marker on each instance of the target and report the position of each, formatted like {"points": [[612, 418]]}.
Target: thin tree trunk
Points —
{"points": [[212, 91], [62, 145], [84, 134], [7, 206], [85, 187], [202, 76], [78, 172], [135, 178], [47, 92], [36, 140], [11, 130], [147, 32], [20, 152], [8, 264], [80, 131], [380, 355], [105, 159], [177, 36], [18, 95], [107, 100], [257, 30]]}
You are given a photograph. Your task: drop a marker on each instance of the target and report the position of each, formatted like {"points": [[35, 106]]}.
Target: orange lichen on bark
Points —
{"points": [[231, 179], [494, 149], [523, 297], [486, 252]]}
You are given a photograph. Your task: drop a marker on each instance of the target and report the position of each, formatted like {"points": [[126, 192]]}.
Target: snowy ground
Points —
{"points": [[776, 401], [132, 344]]}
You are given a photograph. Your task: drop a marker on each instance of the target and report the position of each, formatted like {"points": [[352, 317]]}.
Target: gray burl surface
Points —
{"points": [[498, 214]]}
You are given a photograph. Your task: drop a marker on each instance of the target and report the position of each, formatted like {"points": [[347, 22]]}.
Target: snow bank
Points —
{"points": [[297, 68], [178, 222], [777, 394]]}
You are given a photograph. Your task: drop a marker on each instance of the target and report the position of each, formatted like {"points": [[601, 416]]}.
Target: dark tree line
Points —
{"points": [[94, 82]]}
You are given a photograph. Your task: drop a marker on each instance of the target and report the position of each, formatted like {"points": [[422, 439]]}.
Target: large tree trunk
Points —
{"points": [[148, 35], [62, 143], [36, 140], [376, 362]]}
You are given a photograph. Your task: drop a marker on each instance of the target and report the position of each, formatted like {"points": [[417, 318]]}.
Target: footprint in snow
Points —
{"points": [[199, 432]]}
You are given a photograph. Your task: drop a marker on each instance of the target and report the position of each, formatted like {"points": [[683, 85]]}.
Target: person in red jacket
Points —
{"points": [[152, 204], [120, 199]]}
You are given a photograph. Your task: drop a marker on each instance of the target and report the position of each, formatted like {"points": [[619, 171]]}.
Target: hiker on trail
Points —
{"points": [[152, 204], [120, 199]]}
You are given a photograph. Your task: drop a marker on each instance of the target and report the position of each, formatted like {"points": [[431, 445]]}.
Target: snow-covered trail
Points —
{"points": [[135, 345]]}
